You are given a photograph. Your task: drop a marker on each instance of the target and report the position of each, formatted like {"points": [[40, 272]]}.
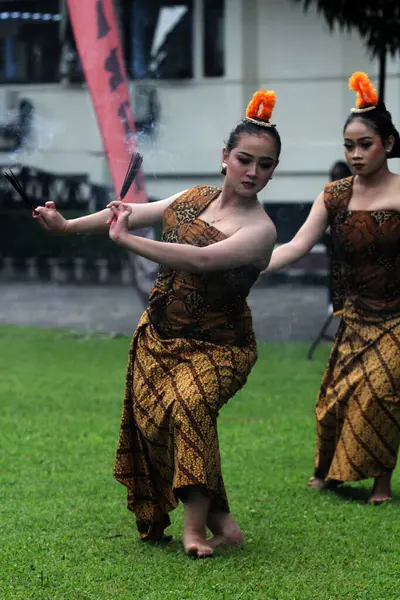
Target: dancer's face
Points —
{"points": [[364, 149], [249, 166]]}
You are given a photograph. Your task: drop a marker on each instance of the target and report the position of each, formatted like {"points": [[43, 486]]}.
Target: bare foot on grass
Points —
{"points": [[382, 491], [195, 544], [225, 529], [323, 484]]}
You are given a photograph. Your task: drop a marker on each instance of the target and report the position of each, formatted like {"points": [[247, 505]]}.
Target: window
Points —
{"points": [[70, 62], [214, 38], [29, 41], [158, 38]]}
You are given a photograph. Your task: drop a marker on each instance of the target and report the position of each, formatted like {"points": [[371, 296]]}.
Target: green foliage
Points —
{"points": [[378, 21]]}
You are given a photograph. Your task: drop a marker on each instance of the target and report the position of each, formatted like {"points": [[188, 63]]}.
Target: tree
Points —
{"points": [[377, 21]]}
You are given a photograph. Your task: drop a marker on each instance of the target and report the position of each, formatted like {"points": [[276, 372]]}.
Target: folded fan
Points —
{"points": [[133, 169], [19, 189]]}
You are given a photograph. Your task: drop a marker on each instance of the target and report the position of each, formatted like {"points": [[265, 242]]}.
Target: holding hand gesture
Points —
{"points": [[50, 219], [119, 220]]}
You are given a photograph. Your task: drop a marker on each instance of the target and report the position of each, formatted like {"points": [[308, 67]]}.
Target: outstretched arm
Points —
{"points": [[307, 236], [250, 245], [142, 215]]}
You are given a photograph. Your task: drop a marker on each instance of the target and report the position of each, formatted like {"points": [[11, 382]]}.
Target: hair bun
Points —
{"points": [[395, 151]]}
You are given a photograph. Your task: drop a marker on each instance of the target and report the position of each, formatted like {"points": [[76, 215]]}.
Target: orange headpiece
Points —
{"points": [[259, 109], [367, 96]]}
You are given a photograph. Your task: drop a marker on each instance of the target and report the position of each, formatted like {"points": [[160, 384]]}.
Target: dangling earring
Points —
{"points": [[223, 168]]}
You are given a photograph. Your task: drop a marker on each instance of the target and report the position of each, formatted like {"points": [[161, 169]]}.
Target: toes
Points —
{"points": [[379, 500], [204, 552], [195, 552], [191, 550], [323, 484], [198, 550], [313, 482]]}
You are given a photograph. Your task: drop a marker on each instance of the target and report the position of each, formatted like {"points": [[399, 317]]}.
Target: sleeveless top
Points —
{"points": [[208, 306], [365, 252]]}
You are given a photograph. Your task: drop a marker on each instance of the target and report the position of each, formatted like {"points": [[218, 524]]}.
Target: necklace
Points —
{"points": [[214, 219]]}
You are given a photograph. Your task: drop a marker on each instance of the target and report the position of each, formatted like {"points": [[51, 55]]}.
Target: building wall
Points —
{"points": [[309, 68], [269, 43]]}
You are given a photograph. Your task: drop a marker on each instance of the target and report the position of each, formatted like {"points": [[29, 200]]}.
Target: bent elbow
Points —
{"points": [[202, 264], [205, 263]]}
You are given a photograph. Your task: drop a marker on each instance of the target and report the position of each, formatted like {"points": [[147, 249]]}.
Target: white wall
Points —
{"points": [[269, 43], [309, 68], [65, 136]]}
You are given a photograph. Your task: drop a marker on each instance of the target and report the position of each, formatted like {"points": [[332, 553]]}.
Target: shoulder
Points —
{"points": [[200, 191], [336, 187], [393, 191], [336, 192], [195, 195], [397, 181], [262, 221], [269, 231], [261, 229]]}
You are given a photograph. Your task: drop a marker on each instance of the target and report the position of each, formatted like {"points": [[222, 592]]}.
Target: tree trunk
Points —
{"points": [[382, 73]]}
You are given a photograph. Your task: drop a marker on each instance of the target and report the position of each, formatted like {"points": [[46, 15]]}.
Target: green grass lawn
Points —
{"points": [[65, 531]]}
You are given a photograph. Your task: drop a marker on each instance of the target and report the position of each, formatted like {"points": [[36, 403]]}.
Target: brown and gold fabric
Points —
{"points": [[358, 408], [193, 350]]}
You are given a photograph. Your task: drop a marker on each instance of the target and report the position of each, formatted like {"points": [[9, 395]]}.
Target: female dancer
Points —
{"points": [[358, 407], [194, 346]]}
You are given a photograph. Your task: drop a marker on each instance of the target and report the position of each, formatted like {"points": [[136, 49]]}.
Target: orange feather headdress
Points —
{"points": [[367, 96], [259, 109]]}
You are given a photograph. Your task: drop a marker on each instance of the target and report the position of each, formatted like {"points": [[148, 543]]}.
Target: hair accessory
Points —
{"points": [[367, 96], [259, 109]]}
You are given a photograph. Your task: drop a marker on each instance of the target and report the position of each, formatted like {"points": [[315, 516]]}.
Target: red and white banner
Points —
{"points": [[96, 35]]}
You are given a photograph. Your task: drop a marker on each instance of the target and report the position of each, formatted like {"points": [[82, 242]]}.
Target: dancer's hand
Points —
{"points": [[50, 219], [119, 221], [117, 204]]}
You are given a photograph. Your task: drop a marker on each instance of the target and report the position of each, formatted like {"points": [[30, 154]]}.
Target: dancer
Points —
{"points": [[358, 407], [194, 346]]}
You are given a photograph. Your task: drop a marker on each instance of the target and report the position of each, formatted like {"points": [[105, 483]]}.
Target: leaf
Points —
{"points": [[377, 21]]}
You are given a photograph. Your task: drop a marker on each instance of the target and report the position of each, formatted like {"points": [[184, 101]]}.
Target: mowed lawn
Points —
{"points": [[65, 531]]}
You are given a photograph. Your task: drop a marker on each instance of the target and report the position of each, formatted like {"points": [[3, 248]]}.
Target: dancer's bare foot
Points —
{"points": [[323, 484], [195, 544], [225, 529], [195, 511], [382, 491]]}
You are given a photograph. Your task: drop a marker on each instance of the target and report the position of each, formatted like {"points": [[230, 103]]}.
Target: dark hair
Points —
{"points": [[246, 127], [379, 120], [339, 170]]}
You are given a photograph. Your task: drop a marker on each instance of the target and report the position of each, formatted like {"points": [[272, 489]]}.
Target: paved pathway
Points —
{"points": [[280, 312]]}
